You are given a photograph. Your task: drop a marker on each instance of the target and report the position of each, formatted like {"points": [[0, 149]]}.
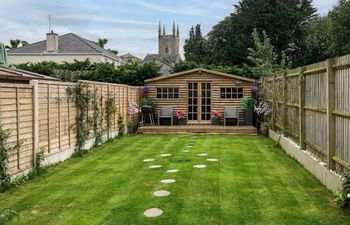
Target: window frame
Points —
{"points": [[168, 93], [231, 93]]}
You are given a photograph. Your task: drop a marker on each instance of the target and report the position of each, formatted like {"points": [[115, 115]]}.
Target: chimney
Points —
{"points": [[51, 42]]}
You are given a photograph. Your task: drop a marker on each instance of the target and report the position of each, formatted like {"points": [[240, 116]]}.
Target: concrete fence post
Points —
{"points": [[285, 109], [301, 109], [330, 116], [35, 84]]}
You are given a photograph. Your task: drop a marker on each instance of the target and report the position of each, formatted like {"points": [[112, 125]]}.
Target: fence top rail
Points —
{"points": [[12, 85], [102, 83], [56, 82]]}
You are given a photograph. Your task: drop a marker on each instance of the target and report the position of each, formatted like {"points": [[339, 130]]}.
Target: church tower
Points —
{"points": [[168, 43]]}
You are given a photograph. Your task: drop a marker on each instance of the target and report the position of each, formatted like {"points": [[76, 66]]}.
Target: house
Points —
{"points": [[130, 58], [168, 50], [64, 48], [11, 75], [198, 92]]}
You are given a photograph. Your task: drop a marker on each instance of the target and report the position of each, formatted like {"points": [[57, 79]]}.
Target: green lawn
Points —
{"points": [[254, 182]]}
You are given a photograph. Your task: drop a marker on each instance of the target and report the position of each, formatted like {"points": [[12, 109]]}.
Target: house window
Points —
{"points": [[167, 92], [166, 49], [231, 93]]}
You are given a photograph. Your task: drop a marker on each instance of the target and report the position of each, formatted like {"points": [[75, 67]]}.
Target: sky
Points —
{"points": [[129, 25]]}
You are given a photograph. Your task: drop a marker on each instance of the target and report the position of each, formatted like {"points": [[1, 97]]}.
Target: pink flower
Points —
{"points": [[216, 115], [180, 114]]}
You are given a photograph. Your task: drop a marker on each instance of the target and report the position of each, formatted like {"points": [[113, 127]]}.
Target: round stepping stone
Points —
{"points": [[165, 155], [186, 150], [212, 160], [202, 154], [199, 166], [155, 166], [168, 181], [153, 212], [148, 160], [161, 193], [173, 171]]}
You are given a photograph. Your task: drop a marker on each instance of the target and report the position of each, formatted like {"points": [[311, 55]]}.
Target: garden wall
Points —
{"points": [[41, 115], [311, 105]]}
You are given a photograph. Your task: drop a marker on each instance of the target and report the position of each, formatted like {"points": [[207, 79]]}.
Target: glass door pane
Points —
{"points": [[206, 101], [192, 101]]}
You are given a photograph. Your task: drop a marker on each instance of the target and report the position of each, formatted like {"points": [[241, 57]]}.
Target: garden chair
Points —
{"points": [[167, 112], [231, 112]]}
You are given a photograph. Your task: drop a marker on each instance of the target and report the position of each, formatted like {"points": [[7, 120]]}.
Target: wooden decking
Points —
{"points": [[198, 129]]}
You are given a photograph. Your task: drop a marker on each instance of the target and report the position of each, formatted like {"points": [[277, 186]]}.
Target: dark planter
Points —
{"points": [[215, 121], [147, 109], [248, 114], [182, 122]]}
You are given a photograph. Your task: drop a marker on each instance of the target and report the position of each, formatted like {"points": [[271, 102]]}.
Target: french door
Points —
{"points": [[199, 102]]}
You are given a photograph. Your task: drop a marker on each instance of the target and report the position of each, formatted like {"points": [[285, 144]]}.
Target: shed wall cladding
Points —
{"points": [[182, 81]]}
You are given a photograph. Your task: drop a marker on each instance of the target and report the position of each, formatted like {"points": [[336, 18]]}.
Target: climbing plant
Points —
{"points": [[110, 110], [121, 126], [97, 118], [5, 180], [81, 95], [39, 159]]}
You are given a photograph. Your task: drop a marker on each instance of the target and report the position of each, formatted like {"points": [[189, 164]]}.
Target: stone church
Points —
{"points": [[168, 49]]}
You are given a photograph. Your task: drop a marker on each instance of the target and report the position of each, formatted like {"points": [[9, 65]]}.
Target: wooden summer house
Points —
{"points": [[198, 92]]}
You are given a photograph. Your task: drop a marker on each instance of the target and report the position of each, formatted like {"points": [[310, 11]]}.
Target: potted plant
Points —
{"points": [[181, 117], [215, 117], [147, 105], [248, 107]]}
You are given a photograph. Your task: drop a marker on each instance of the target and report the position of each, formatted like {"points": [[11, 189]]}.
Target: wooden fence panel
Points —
{"points": [[16, 115], [56, 118], [322, 124]]}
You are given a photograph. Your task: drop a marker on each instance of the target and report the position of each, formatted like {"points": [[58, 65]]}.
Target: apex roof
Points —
{"points": [[199, 70], [67, 44]]}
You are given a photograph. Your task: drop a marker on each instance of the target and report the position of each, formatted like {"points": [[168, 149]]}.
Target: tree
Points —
{"points": [[102, 42], [317, 41], [24, 43], [195, 46], [263, 55], [340, 28], [14, 43], [283, 22]]}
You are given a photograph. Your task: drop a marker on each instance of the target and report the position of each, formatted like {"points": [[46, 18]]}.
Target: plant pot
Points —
{"points": [[182, 122], [248, 115], [147, 109], [215, 121]]}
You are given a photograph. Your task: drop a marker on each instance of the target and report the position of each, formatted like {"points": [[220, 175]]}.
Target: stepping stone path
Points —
{"points": [[155, 166], [199, 166], [212, 160], [161, 193], [168, 181], [148, 160], [153, 212]]}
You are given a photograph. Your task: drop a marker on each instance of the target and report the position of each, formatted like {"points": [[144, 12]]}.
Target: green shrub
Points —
{"points": [[343, 196]]}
